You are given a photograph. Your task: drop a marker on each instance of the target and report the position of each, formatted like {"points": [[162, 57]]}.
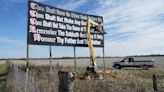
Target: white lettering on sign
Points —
{"points": [[46, 39], [39, 23], [84, 17], [47, 24], [61, 33], [72, 34], [60, 40], [68, 20], [40, 8], [60, 19], [49, 17], [100, 37], [82, 35], [62, 26], [49, 10], [49, 32], [95, 36], [74, 15], [33, 21], [76, 28], [77, 22], [68, 27], [59, 12], [80, 41], [96, 42], [33, 6], [36, 14], [68, 14], [55, 25], [39, 15], [70, 40]]}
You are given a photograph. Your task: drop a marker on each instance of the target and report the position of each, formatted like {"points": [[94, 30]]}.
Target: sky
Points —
{"points": [[134, 27]]}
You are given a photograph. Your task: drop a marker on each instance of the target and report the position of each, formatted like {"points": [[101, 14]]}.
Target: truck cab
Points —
{"points": [[126, 62], [130, 62]]}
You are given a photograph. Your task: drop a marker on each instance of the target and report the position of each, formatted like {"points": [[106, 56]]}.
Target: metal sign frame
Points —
{"points": [[54, 44]]}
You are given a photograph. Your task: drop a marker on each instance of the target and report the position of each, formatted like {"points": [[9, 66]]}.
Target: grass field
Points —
{"points": [[128, 80], [83, 62], [3, 74]]}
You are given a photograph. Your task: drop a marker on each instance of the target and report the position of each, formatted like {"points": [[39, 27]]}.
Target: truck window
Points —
{"points": [[126, 60], [130, 59]]}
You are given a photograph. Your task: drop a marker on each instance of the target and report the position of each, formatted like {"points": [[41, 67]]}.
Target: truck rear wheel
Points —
{"points": [[117, 66]]}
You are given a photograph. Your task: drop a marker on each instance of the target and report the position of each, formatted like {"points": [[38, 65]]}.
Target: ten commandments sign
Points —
{"points": [[53, 26]]}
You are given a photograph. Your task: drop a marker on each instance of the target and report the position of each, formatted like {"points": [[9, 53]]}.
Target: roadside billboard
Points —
{"points": [[49, 25]]}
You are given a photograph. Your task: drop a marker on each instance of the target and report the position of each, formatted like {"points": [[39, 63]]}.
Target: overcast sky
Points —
{"points": [[134, 27]]}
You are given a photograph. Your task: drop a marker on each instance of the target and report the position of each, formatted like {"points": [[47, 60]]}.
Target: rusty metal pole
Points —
{"points": [[50, 53], [66, 81], [154, 83]]}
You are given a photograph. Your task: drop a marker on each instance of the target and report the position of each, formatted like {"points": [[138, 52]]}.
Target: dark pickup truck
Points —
{"points": [[130, 62]]}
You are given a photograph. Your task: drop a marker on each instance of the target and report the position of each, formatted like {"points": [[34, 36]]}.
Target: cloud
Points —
{"points": [[12, 47], [7, 5], [16, 48], [133, 26], [40, 0], [73, 4], [11, 41]]}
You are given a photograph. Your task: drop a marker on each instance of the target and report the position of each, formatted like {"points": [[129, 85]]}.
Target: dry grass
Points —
{"points": [[131, 80], [128, 80], [3, 74], [144, 77]]}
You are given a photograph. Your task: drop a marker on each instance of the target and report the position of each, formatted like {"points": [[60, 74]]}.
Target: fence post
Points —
{"points": [[66, 81], [75, 64], [50, 58], [154, 83]]}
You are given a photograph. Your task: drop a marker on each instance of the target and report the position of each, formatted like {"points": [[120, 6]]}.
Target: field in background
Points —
{"points": [[128, 80], [83, 62]]}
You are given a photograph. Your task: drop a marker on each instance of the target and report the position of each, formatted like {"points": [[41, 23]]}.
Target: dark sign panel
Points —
{"points": [[53, 26]]}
